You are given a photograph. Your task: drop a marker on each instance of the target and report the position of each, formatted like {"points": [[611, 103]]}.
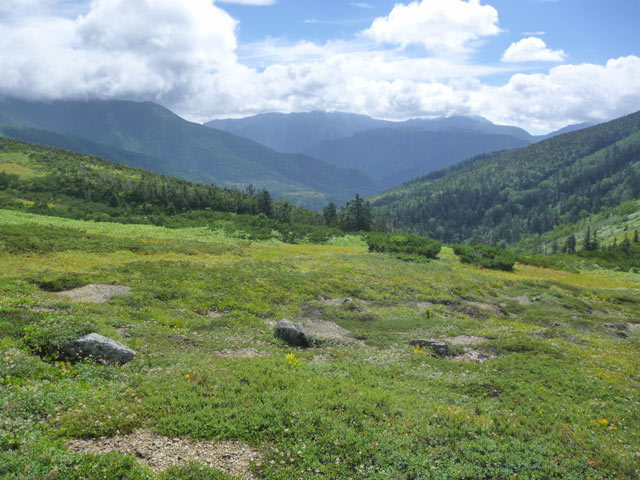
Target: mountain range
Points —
{"points": [[390, 152], [151, 136]]}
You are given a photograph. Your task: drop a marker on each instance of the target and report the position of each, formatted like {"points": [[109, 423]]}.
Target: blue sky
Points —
{"points": [[538, 64]]}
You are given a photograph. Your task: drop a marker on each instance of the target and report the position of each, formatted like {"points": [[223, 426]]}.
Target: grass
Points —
{"points": [[557, 402]]}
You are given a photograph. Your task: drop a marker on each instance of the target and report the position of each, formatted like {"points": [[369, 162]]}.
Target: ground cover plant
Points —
{"points": [[485, 256], [556, 396]]}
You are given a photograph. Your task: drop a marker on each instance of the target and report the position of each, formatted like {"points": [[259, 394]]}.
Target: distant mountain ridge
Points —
{"points": [[139, 132], [390, 152], [505, 196]]}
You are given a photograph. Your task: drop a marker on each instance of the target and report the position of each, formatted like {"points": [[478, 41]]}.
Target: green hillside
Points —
{"points": [[550, 400], [505, 196], [183, 148]]}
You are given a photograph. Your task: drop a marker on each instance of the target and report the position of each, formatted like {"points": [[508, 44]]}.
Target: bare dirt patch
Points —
{"points": [[321, 357], [159, 452], [214, 314], [634, 327], [523, 300], [95, 293], [465, 340], [241, 353], [486, 306]]}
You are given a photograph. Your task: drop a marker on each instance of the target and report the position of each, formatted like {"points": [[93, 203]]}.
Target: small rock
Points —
{"points": [[608, 325], [292, 333], [94, 346], [321, 298], [523, 300], [441, 348], [621, 334], [556, 324]]}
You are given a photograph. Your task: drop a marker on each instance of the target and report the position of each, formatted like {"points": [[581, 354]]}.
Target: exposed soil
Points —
{"points": [[472, 356], [321, 357], [160, 452], [486, 306], [634, 327], [95, 293], [523, 300]]}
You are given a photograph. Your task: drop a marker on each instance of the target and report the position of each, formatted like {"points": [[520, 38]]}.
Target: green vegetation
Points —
{"points": [[62, 183], [403, 244], [499, 198], [553, 402], [487, 257]]}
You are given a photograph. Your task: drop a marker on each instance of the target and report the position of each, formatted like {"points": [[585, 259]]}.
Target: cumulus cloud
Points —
{"points": [[437, 25], [185, 56], [532, 49], [119, 48]]}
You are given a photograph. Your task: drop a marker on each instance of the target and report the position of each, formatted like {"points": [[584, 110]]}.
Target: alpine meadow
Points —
{"points": [[283, 239]]}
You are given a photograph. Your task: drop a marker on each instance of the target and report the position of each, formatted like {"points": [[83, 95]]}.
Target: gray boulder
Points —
{"points": [[292, 333], [440, 348], [99, 348]]}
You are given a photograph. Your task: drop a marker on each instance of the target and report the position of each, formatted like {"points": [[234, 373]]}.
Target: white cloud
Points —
{"points": [[532, 49], [260, 3], [437, 25], [361, 4], [133, 48], [185, 56]]}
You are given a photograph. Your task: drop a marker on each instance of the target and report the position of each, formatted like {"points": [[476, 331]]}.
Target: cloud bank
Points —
{"points": [[185, 55]]}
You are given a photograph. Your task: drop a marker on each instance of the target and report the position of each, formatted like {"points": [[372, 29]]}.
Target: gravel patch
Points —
{"points": [[95, 293], [465, 340], [159, 452], [472, 356]]}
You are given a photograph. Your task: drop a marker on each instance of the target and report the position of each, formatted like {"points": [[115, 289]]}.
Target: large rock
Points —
{"points": [[440, 348], [292, 333], [99, 348]]}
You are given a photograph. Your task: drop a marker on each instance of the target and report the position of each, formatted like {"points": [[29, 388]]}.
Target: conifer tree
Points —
{"points": [[571, 244], [586, 242], [635, 236], [595, 243], [330, 215]]}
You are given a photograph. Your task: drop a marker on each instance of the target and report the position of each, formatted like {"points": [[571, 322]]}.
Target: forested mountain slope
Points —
{"points": [[189, 149], [392, 155], [499, 197]]}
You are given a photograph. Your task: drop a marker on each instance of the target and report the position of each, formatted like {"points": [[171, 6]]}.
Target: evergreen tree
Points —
{"points": [[635, 237], [265, 203], [330, 214], [554, 247], [626, 245], [586, 242], [571, 244]]}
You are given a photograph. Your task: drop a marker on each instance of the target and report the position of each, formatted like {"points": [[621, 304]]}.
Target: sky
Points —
{"points": [[536, 64]]}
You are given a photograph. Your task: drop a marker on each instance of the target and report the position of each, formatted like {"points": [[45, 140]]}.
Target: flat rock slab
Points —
{"points": [[324, 329], [159, 452], [465, 340], [241, 353], [95, 293], [99, 348]]}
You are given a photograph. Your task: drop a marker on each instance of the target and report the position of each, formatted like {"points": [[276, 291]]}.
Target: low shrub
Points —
{"points": [[403, 244], [488, 257]]}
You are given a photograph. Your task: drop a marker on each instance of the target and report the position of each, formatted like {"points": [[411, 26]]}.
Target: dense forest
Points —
{"points": [[57, 182], [500, 197]]}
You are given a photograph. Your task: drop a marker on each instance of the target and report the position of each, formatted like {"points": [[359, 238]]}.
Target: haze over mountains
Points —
{"points": [[151, 136], [390, 152]]}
